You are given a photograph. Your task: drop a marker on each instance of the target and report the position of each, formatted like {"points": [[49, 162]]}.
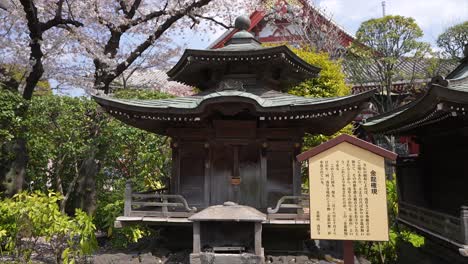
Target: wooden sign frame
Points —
{"points": [[347, 190]]}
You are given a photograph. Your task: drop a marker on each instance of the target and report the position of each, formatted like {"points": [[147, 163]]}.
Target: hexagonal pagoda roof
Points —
{"points": [[240, 79], [314, 115], [243, 55]]}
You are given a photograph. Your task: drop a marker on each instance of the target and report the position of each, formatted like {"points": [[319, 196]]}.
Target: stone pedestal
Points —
{"points": [[226, 229]]}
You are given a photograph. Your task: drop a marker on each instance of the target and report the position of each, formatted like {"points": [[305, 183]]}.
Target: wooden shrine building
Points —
{"points": [[433, 185], [237, 139]]}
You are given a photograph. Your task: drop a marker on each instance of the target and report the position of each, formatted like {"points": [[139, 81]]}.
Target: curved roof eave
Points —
{"points": [[193, 105], [183, 61], [416, 110]]}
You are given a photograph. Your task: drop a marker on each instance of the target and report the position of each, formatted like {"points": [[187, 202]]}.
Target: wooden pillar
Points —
{"points": [[297, 190], [258, 239], [206, 187], [235, 158], [348, 252], [235, 174], [263, 175], [128, 198], [464, 224], [196, 237], [164, 210], [174, 188]]}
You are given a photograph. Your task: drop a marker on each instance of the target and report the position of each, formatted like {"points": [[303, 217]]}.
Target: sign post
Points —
{"points": [[347, 191]]}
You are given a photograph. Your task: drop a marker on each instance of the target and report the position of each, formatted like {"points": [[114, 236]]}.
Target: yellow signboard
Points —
{"points": [[347, 190]]}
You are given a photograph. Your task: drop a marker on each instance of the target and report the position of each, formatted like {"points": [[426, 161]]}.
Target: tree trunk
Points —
{"points": [[87, 185], [14, 176], [35, 56]]}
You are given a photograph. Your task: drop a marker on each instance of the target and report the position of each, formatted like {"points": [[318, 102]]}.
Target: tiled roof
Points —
{"points": [[324, 17], [445, 98], [313, 115], [367, 74], [263, 98], [195, 63]]}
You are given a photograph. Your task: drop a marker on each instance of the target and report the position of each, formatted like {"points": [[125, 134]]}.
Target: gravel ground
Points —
{"points": [[151, 251]]}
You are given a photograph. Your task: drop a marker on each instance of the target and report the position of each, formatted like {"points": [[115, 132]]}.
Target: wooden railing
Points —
{"points": [[449, 227], [299, 205], [155, 204], [158, 204]]}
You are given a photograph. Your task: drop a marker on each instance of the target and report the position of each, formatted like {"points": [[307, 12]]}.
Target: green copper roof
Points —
{"points": [[313, 115], [204, 69], [264, 100], [242, 55]]}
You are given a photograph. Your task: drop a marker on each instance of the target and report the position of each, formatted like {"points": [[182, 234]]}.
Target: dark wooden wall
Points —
{"points": [[236, 161], [438, 178], [446, 173]]}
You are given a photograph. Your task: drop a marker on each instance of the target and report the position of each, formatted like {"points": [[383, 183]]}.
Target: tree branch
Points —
{"points": [[3, 5], [210, 19], [142, 19], [100, 19], [156, 35], [59, 22], [133, 9], [123, 6]]}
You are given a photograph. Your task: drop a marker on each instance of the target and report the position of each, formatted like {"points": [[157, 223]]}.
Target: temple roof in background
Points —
{"points": [[266, 34], [364, 76], [447, 98], [361, 76]]}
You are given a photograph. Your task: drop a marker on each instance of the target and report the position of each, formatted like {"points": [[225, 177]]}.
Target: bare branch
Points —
{"points": [[101, 20], [156, 35], [143, 19], [4, 5], [133, 9], [123, 6], [212, 20], [56, 22]]}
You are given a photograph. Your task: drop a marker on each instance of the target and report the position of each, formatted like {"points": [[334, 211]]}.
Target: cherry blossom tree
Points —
{"points": [[92, 43], [26, 23], [38, 18], [120, 36], [96, 41]]}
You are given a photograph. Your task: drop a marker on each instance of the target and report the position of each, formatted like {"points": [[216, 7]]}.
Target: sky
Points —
{"points": [[433, 16]]}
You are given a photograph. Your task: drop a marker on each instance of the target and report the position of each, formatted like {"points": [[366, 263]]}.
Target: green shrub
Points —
{"points": [[141, 94], [387, 252], [331, 81], [28, 217], [12, 108], [106, 214]]}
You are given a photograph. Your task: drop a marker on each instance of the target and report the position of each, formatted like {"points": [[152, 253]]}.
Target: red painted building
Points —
{"points": [[282, 30]]}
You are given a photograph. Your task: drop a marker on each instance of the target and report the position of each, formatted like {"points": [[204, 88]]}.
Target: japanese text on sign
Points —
{"points": [[347, 195]]}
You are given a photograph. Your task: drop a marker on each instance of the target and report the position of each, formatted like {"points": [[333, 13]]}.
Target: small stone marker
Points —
{"points": [[347, 189]]}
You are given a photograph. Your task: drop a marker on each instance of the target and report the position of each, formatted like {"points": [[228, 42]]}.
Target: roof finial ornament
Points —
{"points": [[243, 36], [242, 23], [439, 80]]}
